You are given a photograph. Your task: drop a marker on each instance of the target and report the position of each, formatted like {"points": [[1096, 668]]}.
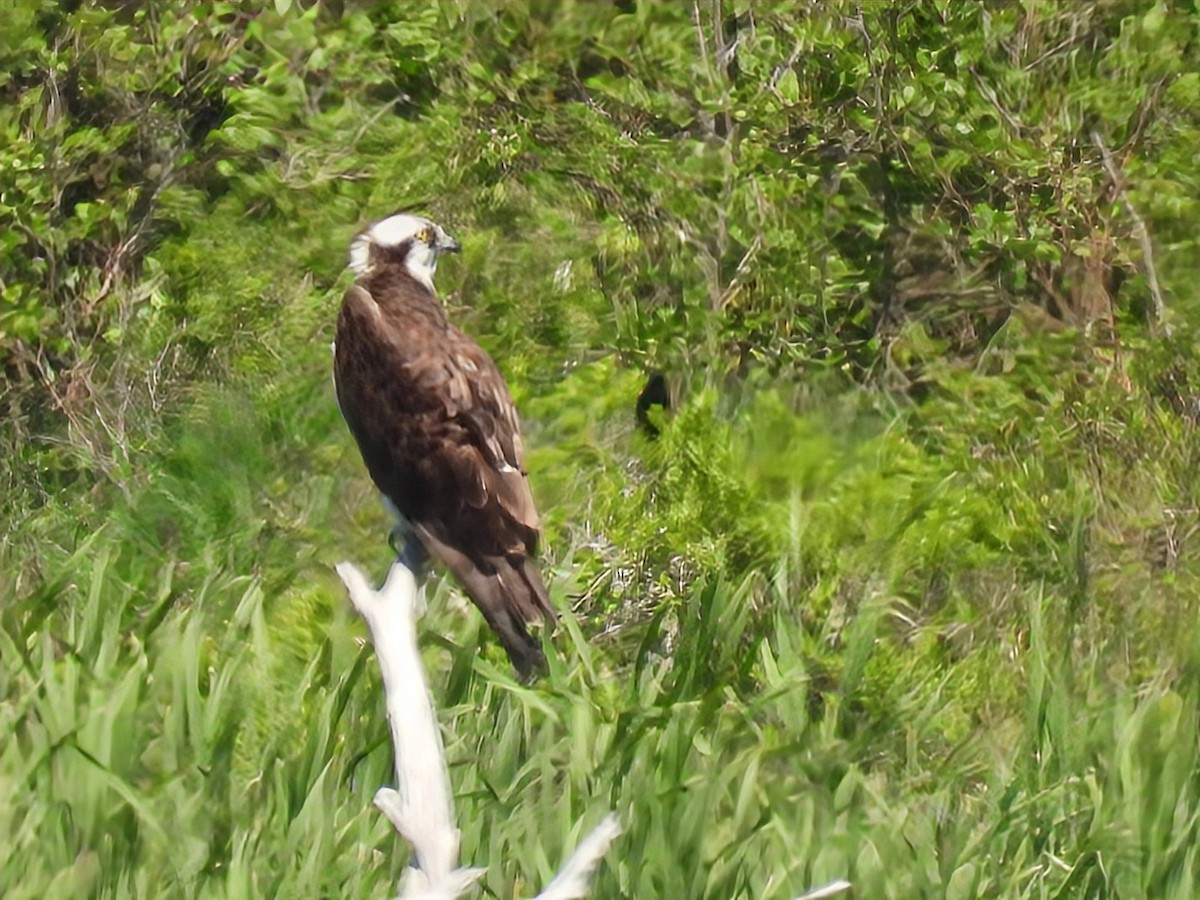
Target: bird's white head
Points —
{"points": [[411, 241]]}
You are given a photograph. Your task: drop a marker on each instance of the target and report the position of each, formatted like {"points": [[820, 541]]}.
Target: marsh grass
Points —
{"points": [[918, 714]]}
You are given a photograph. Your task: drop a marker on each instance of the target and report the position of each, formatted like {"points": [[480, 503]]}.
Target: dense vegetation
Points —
{"points": [[907, 590]]}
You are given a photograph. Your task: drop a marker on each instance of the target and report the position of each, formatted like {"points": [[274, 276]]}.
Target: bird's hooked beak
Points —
{"points": [[447, 244]]}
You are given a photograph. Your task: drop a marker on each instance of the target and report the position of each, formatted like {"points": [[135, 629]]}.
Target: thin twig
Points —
{"points": [[782, 69], [1140, 232], [700, 33]]}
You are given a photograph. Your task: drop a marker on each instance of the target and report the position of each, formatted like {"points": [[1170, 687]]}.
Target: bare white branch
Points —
{"points": [[420, 808], [573, 880], [830, 890]]}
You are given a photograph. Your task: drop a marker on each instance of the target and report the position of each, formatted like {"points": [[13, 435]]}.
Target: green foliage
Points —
{"points": [[904, 590]]}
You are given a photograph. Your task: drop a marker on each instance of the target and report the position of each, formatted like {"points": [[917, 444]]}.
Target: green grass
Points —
{"points": [[920, 691], [907, 592]]}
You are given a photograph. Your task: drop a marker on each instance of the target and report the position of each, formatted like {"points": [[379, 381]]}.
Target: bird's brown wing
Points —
{"points": [[477, 398], [489, 535], [378, 396], [439, 433]]}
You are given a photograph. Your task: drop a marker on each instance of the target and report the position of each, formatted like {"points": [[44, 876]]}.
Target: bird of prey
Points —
{"points": [[438, 431]]}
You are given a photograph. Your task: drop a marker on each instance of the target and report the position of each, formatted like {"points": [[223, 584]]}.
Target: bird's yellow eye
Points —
{"points": [[425, 235]]}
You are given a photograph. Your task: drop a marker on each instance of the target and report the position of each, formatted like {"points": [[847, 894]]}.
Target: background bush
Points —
{"points": [[904, 592]]}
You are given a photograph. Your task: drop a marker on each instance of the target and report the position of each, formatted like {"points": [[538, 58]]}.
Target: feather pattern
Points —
{"points": [[440, 436]]}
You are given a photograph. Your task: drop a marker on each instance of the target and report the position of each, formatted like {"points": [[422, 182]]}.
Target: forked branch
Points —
{"points": [[420, 807]]}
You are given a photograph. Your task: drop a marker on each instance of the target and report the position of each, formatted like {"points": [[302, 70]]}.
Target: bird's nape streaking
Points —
{"points": [[438, 431]]}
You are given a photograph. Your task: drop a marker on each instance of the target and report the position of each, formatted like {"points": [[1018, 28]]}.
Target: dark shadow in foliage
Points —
{"points": [[654, 395]]}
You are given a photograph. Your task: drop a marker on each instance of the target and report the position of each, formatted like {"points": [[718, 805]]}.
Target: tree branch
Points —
{"points": [[572, 881], [420, 808], [1140, 232]]}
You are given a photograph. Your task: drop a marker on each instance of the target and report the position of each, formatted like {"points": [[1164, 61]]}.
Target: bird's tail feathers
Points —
{"points": [[531, 596], [510, 593]]}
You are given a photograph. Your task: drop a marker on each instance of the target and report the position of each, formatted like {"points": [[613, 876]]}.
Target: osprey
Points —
{"points": [[438, 431]]}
